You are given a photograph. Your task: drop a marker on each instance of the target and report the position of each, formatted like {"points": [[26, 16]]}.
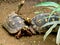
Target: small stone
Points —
{"points": [[34, 41]]}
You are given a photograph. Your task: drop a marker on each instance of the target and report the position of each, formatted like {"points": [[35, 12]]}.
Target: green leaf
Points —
{"points": [[58, 37], [57, 9], [47, 4], [49, 31]]}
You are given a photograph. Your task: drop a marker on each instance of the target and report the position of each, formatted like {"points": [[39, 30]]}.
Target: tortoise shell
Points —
{"points": [[41, 19], [14, 23]]}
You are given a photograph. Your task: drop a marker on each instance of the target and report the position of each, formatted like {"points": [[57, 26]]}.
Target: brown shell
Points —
{"points": [[14, 23]]}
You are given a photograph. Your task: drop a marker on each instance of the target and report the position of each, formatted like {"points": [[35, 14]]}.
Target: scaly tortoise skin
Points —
{"points": [[41, 19]]}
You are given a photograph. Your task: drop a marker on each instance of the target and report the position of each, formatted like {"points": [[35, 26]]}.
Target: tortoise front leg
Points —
{"points": [[26, 31]]}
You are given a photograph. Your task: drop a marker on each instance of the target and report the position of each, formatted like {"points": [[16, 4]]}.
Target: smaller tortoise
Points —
{"points": [[41, 19], [17, 25]]}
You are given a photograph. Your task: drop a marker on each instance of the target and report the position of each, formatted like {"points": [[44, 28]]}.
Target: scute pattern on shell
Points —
{"points": [[14, 23]]}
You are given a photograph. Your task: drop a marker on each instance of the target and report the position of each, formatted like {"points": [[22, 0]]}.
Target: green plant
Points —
{"points": [[55, 8]]}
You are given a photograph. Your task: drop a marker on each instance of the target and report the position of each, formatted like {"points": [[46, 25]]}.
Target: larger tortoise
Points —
{"points": [[17, 25]]}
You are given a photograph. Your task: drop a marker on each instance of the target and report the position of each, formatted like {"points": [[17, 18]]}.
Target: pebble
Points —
{"points": [[34, 41]]}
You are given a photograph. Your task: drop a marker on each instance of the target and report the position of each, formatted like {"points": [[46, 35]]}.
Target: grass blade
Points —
{"points": [[50, 23], [51, 14], [49, 31], [58, 37]]}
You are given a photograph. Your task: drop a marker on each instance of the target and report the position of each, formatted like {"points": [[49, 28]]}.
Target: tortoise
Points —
{"points": [[16, 25], [39, 20]]}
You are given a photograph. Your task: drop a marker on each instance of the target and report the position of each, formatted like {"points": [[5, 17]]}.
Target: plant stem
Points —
{"points": [[51, 14], [20, 6]]}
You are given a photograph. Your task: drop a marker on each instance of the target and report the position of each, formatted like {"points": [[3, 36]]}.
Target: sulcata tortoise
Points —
{"points": [[39, 20], [17, 25]]}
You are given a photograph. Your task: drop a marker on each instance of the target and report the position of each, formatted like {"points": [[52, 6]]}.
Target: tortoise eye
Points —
{"points": [[46, 20]]}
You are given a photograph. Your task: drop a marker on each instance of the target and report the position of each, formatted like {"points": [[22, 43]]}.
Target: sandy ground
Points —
{"points": [[26, 11]]}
